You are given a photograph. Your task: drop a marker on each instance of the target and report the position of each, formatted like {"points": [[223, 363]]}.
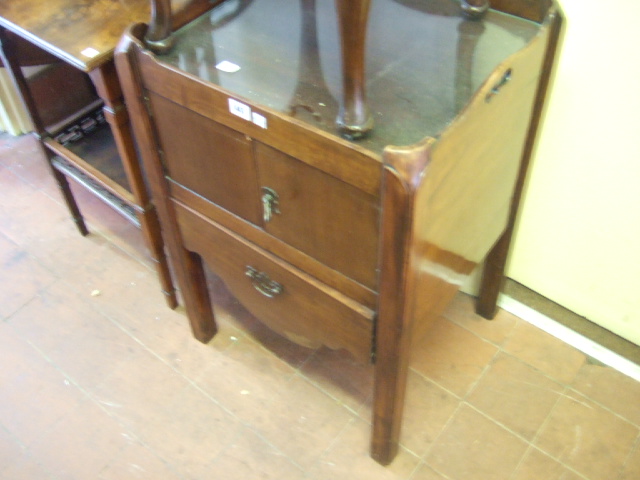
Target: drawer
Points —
{"points": [[207, 158], [317, 213], [288, 300]]}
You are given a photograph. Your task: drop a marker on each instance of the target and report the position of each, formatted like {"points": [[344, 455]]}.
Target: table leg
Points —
{"points": [[107, 85], [495, 263], [12, 64]]}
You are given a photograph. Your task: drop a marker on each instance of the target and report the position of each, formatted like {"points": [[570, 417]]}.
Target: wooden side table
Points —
{"points": [[105, 161]]}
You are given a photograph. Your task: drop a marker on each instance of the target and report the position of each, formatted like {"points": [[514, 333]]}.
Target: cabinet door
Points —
{"points": [[319, 214], [210, 159]]}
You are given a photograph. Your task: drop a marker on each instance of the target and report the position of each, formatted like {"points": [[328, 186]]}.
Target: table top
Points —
{"points": [[424, 60], [83, 33]]}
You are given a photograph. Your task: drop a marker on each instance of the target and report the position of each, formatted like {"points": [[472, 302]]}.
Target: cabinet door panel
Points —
{"points": [[320, 215], [210, 159]]}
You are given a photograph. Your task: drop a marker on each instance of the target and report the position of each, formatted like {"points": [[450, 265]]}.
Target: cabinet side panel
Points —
{"points": [[463, 201]]}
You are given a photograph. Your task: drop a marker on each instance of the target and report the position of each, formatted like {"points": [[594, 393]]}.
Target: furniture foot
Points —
{"points": [[196, 298], [389, 392], [474, 8], [493, 277], [150, 227]]}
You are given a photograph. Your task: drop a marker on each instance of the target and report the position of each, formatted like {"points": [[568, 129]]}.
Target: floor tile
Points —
{"points": [[545, 352], [341, 376], [137, 462], [472, 447], [349, 458], [25, 382], [537, 466], [9, 449], [452, 356], [139, 390], [189, 432], [21, 279], [586, 437], [610, 388], [30, 164], [427, 410], [81, 444], [63, 247], [137, 306], [24, 221], [631, 468], [516, 395], [249, 456], [425, 472], [302, 421], [26, 467], [461, 311], [81, 342], [246, 379]]}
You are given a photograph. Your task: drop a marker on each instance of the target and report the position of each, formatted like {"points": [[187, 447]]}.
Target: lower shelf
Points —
{"points": [[119, 204]]}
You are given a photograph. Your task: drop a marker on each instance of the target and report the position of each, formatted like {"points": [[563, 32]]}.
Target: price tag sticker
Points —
{"points": [[90, 52], [259, 120], [240, 109]]}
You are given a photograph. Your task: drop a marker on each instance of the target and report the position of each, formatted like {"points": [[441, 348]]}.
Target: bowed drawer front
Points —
{"points": [[285, 298]]}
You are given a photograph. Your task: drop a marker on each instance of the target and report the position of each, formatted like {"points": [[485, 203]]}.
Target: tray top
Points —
{"points": [[83, 33], [424, 60]]}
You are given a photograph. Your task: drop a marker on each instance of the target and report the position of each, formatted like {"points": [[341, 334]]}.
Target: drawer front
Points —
{"points": [[286, 299], [320, 215], [208, 158]]}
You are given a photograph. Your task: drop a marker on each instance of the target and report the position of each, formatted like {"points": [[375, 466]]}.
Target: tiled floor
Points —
{"points": [[99, 380]]}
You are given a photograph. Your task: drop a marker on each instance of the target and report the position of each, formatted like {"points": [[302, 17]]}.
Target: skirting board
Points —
{"points": [[585, 345]]}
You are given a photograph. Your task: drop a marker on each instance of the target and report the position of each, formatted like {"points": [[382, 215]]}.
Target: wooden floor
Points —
{"points": [[99, 380]]}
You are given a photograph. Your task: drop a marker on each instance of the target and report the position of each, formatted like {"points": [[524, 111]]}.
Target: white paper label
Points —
{"points": [[259, 120], [240, 109]]}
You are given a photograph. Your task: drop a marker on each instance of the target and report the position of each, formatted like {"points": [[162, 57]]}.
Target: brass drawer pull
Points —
{"points": [[270, 203], [263, 284]]}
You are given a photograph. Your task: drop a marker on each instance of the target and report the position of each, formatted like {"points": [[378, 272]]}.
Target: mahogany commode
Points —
{"points": [[354, 244]]}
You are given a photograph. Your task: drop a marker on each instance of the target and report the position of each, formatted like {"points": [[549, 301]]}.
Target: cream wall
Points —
{"points": [[578, 237], [13, 118]]}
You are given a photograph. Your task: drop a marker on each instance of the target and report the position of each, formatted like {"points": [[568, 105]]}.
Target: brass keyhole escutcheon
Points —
{"points": [[270, 204]]}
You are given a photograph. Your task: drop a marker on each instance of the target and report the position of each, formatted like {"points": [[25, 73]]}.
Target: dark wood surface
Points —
{"points": [[67, 28], [432, 185]]}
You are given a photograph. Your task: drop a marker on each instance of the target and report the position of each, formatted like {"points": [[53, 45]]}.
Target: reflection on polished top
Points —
{"points": [[424, 60]]}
